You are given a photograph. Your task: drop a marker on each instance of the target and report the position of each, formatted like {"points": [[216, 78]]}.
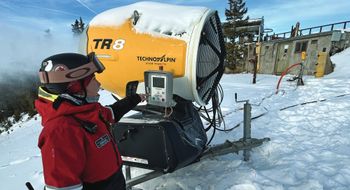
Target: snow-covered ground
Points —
{"points": [[309, 147]]}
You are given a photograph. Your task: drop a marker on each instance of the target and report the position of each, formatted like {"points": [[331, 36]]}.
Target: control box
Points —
{"points": [[159, 87]]}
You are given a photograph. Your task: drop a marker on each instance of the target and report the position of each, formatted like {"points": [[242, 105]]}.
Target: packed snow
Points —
{"points": [[309, 128], [154, 18]]}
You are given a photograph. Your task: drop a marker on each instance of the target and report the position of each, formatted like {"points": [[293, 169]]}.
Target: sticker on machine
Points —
{"points": [[134, 159]]}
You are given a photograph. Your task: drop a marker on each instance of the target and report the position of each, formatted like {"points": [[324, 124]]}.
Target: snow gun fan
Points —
{"points": [[178, 53]]}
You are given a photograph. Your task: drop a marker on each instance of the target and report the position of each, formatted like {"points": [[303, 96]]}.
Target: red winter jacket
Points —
{"points": [[71, 155]]}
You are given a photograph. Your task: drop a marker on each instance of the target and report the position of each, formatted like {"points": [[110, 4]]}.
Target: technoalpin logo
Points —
{"points": [[156, 59]]}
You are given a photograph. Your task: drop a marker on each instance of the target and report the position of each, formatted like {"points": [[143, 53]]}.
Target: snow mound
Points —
{"points": [[341, 61]]}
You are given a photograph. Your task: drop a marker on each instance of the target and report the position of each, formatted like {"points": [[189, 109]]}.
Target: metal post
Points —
{"points": [[247, 122], [300, 81], [255, 69], [128, 175], [246, 126], [247, 129], [127, 172]]}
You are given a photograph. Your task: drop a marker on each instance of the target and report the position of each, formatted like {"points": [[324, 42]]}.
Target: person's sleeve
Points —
{"points": [[123, 106], [63, 157]]}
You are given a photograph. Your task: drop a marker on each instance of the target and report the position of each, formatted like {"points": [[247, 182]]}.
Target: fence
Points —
{"points": [[311, 30]]}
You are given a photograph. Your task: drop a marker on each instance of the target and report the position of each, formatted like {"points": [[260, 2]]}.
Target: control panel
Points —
{"points": [[159, 86]]}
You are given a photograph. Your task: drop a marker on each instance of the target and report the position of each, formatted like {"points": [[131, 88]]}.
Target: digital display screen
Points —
{"points": [[158, 82]]}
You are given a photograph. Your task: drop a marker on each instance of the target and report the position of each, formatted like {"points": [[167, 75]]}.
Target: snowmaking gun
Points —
{"points": [[175, 54]]}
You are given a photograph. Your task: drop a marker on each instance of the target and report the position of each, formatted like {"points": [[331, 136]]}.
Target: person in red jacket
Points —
{"points": [[77, 145]]}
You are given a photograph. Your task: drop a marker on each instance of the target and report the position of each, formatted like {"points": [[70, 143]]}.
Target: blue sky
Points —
{"points": [[279, 15]]}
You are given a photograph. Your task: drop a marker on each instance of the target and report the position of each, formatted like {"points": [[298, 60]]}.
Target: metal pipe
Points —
{"points": [[128, 175], [247, 129], [247, 121]]}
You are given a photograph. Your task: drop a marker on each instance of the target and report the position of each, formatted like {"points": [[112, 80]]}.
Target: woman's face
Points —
{"points": [[92, 88]]}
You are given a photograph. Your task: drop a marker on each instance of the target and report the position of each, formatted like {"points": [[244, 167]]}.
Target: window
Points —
{"points": [[301, 46], [286, 48]]}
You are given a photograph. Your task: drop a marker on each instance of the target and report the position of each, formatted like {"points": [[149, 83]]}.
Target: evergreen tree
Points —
{"points": [[81, 25], [19, 97], [236, 50], [78, 26]]}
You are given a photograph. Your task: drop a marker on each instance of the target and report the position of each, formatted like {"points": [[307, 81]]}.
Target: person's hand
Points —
{"points": [[143, 97]]}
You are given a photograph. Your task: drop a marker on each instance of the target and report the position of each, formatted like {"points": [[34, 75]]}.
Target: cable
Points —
{"points": [[262, 100], [282, 109], [213, 114], [166, 115], [313, 101], [285, 72]]}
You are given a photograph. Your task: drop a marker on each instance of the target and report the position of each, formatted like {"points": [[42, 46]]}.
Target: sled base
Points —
{"points": [[212, 151]]}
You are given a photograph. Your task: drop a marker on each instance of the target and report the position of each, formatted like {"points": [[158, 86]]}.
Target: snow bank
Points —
{"points": [[342, 65], [309, 147]]}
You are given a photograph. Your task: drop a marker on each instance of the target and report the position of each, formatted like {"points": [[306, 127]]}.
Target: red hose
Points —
{"points": [[284, 73]]}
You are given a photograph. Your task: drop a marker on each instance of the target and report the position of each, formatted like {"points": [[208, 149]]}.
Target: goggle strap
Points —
{"points": [[92, 58], [68, 75]]}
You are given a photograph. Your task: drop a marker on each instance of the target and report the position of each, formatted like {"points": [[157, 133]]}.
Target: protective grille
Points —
{"points": [[210, 59]]}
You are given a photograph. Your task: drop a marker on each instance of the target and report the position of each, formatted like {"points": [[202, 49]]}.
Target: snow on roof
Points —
{"points": [[255, 20], [154, 17]]}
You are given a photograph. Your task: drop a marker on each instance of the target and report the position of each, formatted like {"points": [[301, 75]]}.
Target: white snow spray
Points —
{"points": [[23, 49]]}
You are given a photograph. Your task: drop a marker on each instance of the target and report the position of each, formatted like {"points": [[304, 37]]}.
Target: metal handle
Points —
{"points": [[239, 101]]}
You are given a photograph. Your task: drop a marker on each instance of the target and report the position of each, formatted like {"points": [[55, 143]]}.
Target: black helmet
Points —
{"points": [[57, 71]]}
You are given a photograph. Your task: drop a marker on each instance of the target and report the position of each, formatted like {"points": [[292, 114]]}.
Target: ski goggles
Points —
{"points": [[93, 65]]}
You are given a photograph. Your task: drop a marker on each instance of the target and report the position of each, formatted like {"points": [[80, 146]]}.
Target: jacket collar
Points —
{"points": [[85, 112]]}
